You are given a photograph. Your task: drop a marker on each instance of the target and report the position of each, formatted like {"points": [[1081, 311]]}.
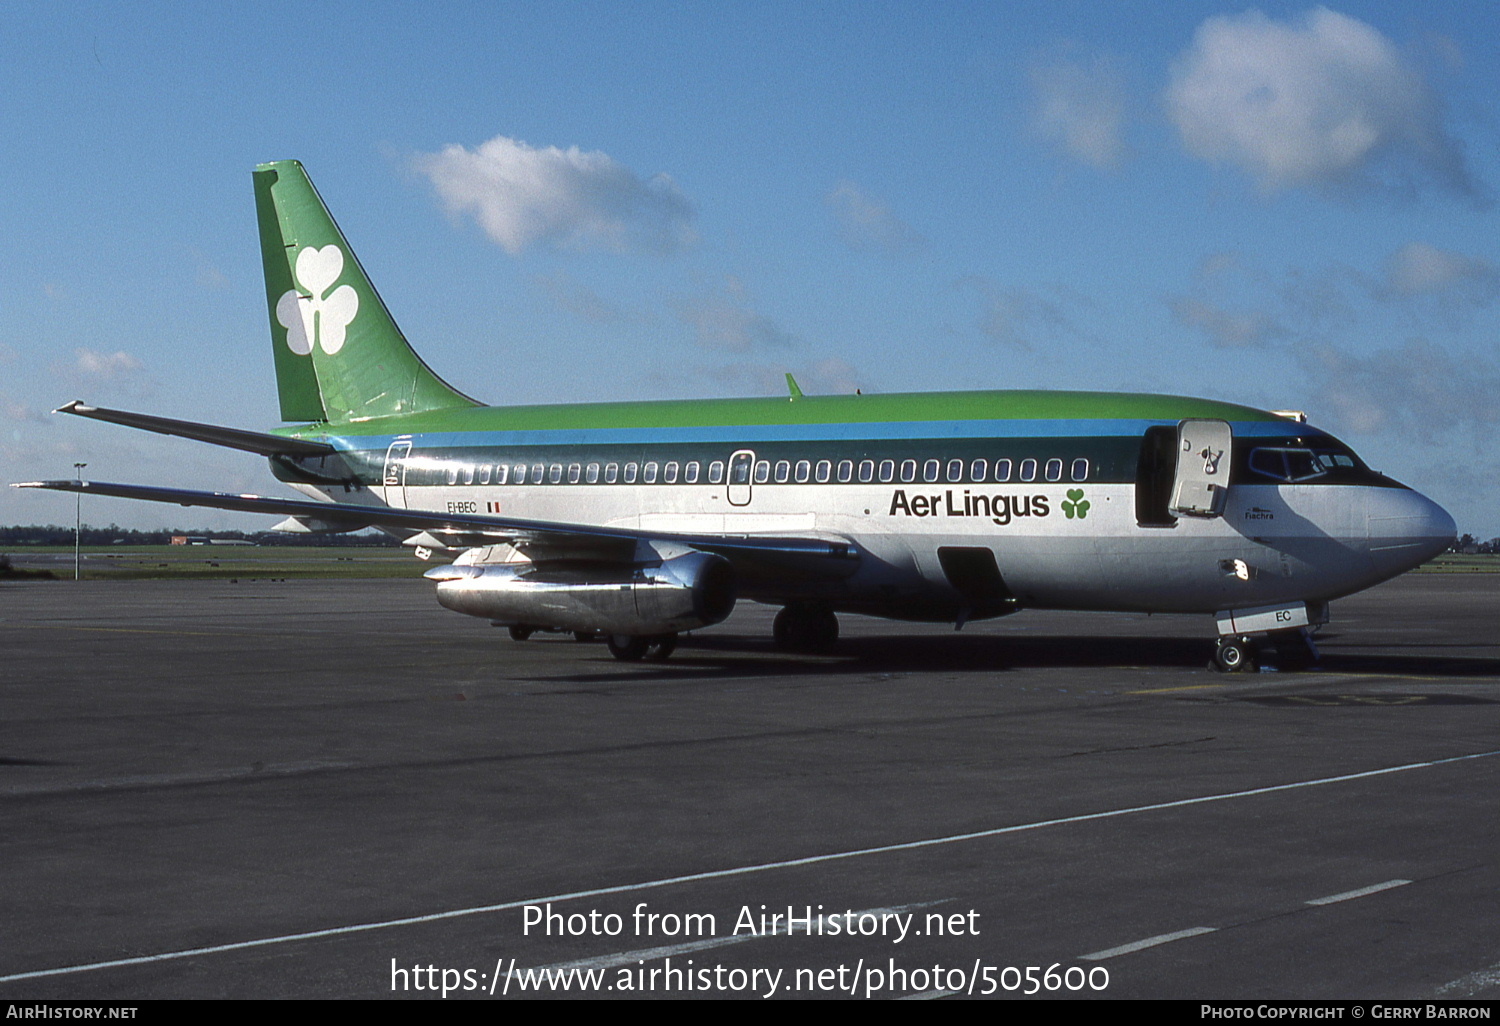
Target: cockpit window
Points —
{"points": [[1287, 464]]}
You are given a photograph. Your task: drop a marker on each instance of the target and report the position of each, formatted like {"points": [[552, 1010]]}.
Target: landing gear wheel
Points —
{"points": [[661, 646], [519, 632], [805, 628], [1234, 655], [628, 648]]}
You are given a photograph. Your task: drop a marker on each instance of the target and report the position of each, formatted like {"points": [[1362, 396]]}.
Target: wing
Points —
{"points": [[232, 438], [806, 557]]}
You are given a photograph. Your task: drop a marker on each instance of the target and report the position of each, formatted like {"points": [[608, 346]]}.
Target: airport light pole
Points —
{"points": [[77, 521]]}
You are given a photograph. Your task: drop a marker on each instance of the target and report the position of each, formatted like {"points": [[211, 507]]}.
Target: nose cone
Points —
{"points": [[1406, 529]]}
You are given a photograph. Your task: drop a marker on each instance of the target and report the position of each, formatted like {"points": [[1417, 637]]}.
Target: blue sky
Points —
{"points": [[1287, 206]]}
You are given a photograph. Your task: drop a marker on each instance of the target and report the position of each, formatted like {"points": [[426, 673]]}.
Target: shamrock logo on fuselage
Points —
{"points": [[1076, 505], [310, 317]]}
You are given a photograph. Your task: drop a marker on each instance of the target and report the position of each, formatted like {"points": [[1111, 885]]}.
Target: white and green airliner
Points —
{"points": [[640, 520]]}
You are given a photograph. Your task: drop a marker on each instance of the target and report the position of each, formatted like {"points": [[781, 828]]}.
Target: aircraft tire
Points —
{"points": [[628, 648], [805, 628], [519, 632], [661, 647], [1233, 655]]}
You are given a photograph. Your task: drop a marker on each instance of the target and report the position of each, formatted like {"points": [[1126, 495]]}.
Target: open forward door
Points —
{"points": [[1200, 485]]}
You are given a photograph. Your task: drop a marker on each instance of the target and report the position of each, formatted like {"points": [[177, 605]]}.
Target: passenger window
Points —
{"points": [[955, 470], [762, 471], [452, 474], [783, 471], [468, 473], [631, 471], [690, 473], [846, 471], [484, 474], [651, 469], [537, 470], [908, 470], [1028, 470], [930, 470], [824, 471], [866, 471], [591, 473], [1054, 470], [979, 470], [716, 472], [575, 473], [555, 474], [520, 473], [804, 471], [1080, 470], [887, 471], [669, 474], [1002, 470], [502, 473], [611, 473]]}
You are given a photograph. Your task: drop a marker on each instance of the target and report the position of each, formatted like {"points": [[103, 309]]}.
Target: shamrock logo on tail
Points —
{"points": [[1077, 505], [315, 318]]}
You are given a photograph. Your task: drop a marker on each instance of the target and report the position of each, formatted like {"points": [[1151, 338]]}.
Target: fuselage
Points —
{"points": [[964, 505]]}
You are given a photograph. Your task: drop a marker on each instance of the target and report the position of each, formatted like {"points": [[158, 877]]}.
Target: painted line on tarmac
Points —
{"points": [[1189, 687], [1149, 942], [1362, 892], [719, 874]]}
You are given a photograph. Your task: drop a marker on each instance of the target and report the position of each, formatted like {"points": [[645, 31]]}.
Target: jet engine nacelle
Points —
{"points": [[682, 593]]}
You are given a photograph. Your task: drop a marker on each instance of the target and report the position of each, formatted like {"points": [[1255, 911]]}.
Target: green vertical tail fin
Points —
{"points": [[339, 354]]}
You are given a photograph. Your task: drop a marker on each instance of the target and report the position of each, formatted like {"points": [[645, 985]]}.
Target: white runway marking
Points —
{"points": [[1347, 895], [1470, 985], [810, 860], [1149, 942]]}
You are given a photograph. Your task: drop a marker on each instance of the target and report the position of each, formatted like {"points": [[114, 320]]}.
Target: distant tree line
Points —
{"points": [[52, 534], [1470, 545]]}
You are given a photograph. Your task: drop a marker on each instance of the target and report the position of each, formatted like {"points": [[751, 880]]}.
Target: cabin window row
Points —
{"points": [[931, 471]]}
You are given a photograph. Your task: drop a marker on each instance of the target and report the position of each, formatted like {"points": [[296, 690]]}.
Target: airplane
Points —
{"points": [[642, 520]]}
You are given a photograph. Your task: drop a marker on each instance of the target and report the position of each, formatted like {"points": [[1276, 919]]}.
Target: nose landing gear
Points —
{"points": [[1288, 650]]}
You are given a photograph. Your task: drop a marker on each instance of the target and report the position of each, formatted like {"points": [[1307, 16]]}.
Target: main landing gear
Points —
{"points": [[1289, 650], [632, 648], [628, 648], [805, 627]]}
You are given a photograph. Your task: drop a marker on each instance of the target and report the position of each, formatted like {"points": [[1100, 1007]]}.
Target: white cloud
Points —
{"points": [[1416, 387], [521, 196], [582, 301], [1325, 100], [726, 321], [1081, 108], [866, 223], [108, 366], [19, 411], [1022, 317], [1420, 269], [1225, 329]]}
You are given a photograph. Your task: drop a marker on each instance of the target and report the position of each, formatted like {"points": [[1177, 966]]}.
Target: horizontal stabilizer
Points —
{"points": [[232, 438], [807, 557]]}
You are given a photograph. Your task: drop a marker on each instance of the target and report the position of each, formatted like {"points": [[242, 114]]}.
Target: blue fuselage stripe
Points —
{"points": [[752, 433]]}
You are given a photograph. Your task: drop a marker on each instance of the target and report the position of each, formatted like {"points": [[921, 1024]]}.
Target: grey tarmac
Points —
{"points": [[339, 789]]}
